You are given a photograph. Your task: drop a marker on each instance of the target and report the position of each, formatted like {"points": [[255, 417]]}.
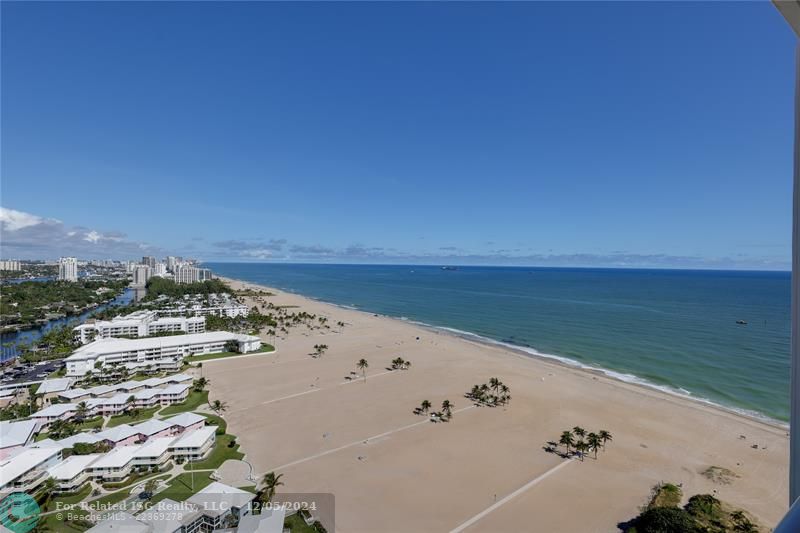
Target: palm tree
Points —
{"points": [[579, 431], [426, 405], [271, 482], [218, 406], [581, 447], [447, 409], [150, 487], [363, 365], [47, 490], [593, 442], [494, 384], [81, 410], [567, 440], [605, 436], [200, 384], [475, 393]]}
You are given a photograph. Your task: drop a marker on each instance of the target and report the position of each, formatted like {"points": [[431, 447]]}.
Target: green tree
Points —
{"points": [[218, 406], [363, 365], [425, 406], [605, 436], [81, 410], [567, 440], [200, 384], [447, 409], [593, 442], [271, 482], [665, 520]]}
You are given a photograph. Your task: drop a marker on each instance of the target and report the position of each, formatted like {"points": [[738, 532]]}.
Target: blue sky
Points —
{"points": [[614, 134]]}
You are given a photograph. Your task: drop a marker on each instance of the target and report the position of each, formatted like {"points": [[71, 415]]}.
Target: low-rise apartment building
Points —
{"points": [[148, 350], [137, 324]]}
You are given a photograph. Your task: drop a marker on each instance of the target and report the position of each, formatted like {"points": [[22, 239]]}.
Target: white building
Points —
{"points": [[10, 264], [208, 510], [27, 469], [230, 309], [195, 445], [14, 435], [141, 273], [68, 269], [72, 472], [153, 349], [172, 262], [138, 324], [191, 274]]}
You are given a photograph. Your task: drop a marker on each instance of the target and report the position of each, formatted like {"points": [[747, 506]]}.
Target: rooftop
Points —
{"points": [[54, 385], [151, 427], [217, 498], [28, 458], [185, 419], [112, 345], [16, 433], [118, 433], [195, 439], [72, 466], [85, 438], [118, 457], [57, 409], [155, 447]]}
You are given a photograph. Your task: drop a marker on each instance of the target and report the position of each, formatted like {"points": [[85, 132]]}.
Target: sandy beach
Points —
{"points": [[485, 470]]}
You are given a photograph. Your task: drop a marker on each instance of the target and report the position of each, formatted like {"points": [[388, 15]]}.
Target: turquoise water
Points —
{"points": [[674, 329]]}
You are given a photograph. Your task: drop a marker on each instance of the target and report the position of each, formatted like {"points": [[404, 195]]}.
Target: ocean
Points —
{"points": [[671, 329]]}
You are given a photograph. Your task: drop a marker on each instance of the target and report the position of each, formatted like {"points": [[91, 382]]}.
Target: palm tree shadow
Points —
{"points": [[552, 447]]}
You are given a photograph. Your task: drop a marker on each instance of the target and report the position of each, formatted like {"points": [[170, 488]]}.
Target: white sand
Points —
{"points": [[298, 416]]}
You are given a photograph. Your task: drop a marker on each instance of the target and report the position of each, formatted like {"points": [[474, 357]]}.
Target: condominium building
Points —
{"points": [[149, 261], [137, 324], [141, 273], [14, 435], [68, 269], [150, 350], [27, 469], [160, 270], [72, 472], [191, 274], [172, 262], [216, 507], [10, 264]]}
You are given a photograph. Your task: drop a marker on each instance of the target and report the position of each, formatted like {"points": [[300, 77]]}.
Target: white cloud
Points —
{"points": [[28, 236], [13, 220]]}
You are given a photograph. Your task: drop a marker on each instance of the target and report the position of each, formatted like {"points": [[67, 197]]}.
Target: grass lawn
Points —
{"points": [[143, 414], [60, 373], [219, 454], [296, 524], [52, 523], [265, 348], [218, 421], [111, 499], [90, 423], [67, 499], [180, 487], [132, 479], [192, 402]]}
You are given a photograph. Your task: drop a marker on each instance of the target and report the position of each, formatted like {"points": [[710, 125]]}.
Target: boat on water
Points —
{"points": [[449, 268]]}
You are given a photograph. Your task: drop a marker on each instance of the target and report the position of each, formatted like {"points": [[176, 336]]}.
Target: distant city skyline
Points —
{"points": [[537, 134]]}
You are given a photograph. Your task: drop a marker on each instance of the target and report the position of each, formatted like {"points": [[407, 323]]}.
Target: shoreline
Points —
{"points": [[309, 419], [557, 361]]}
